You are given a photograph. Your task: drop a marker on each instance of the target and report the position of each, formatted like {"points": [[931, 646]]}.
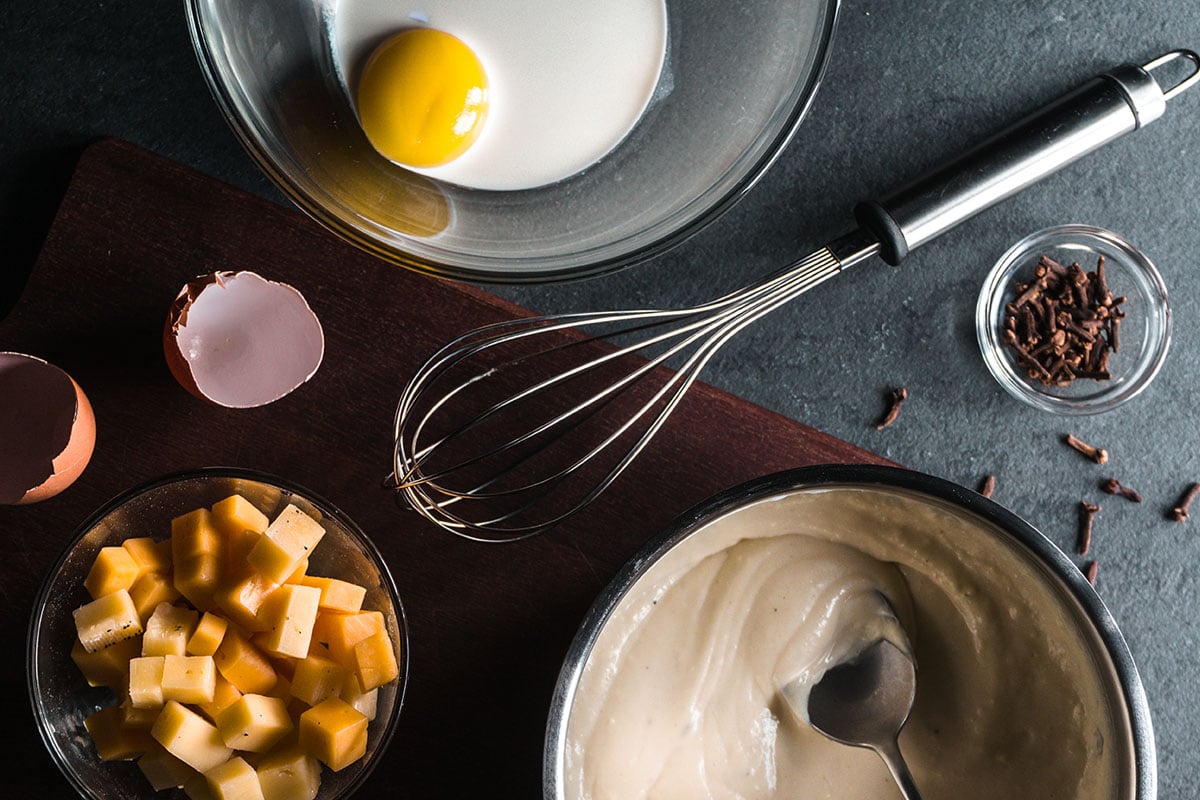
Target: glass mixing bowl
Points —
{"points": [[61, 696], [735, 84]]}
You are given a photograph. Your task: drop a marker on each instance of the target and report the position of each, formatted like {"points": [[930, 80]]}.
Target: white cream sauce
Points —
{"points": [[681, 696]]}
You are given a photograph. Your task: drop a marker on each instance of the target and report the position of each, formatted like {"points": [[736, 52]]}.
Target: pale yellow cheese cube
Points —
{"points": [[289, 774], [243, 664], [163, 770], [236, 514], [151, 555], [108, 666], [337, 595], [316, 678], [150, 589], [334, 733], [234, 780], [254, 723], [146, 681], [189, 679], [168, 630], [136, 718], [114, 568], [290, 613], [366, 703], [288, 540], [189, 737], [112, 739], [107, 620], [207, 636]]}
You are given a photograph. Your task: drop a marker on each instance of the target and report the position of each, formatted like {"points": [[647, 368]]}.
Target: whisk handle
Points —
{"points": [[1101, 110]]}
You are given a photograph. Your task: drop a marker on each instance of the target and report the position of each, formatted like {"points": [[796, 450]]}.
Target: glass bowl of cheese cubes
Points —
{"points": [[218, 633]]}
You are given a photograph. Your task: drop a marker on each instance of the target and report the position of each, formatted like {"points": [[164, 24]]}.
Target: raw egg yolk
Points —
{"points": [[422, 98]]}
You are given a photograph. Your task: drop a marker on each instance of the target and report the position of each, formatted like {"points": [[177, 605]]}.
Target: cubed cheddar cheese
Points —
{"points": [[113, 740], [366, 703], [337, 595], [135, 718], [234, 780], [196, 578], [189, 679], [194, 534], [108, 666], [189, 737], [107, 620], [114, 568], [163, 770], [290, 613], [375, 661], [243, 598], [151, 555], [146, 682], [225, 694], [316, 678], [150, 589], [289, 774], [340, 632], [207, 636], [334, 733], [288, 540], [243, 664], [254, 723], [168, 630], [197, 788], [235, 514]]}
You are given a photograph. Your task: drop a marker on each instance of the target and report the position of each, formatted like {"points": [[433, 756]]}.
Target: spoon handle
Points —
{"points": [[889, 751]]}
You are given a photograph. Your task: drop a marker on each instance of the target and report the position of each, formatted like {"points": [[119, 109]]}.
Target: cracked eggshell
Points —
{"points": [[47, 429], [238, 340]]}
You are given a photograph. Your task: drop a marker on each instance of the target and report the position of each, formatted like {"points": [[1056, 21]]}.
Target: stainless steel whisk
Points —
{"points": [[490, 448]]}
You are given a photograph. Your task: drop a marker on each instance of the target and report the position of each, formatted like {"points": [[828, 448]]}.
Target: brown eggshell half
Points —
{"points": [[47, 430], [238, 340]]}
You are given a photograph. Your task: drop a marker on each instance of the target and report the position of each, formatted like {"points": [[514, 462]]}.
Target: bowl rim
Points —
{"points": [[868, 475], [996, 284], [694, 222], [40, 602]]}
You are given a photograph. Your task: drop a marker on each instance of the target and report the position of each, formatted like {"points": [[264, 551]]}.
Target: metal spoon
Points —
{"points": [[865, 702]]}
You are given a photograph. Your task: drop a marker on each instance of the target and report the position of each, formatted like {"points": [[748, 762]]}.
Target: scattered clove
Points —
{"points": [[1099, 455], [1113, 486], [1064, 324], [898, 396], [1090, 572], [988, 485], [1087, 513], [1180, 512]]}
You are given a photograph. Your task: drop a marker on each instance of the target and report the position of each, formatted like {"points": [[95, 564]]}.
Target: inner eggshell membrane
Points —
{"points": [[240, 340]]}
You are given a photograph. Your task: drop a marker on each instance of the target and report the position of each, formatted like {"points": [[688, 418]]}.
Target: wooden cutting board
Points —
{"points": [[489, 624]]}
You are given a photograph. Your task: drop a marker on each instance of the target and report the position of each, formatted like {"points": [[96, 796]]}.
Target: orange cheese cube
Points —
{"points": [[337, 595], [288, 540], [243, 599], [244, 665], [207, 636], [113, 569], [235, 514], [316, 678], [334, 733], [194, 534], [340, 632], [135, 718], [150, 589], [225, 694], [196, 578], [375, 661], [113, 740], [150, 555], [254, 723]]}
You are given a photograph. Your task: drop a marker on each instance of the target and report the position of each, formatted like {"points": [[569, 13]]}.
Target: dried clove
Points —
{"points": [[1090, 572], [1063, 324], [898, 396], [1113, 486], [1099, 455], [988, 485], [1180, 512], [1087, 513]]}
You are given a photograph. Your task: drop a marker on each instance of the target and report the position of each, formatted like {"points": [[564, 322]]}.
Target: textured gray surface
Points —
{"points": [[908, 85]]}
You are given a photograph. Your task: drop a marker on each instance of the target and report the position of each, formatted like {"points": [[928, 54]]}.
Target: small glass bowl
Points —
{"points": [[61, 696], [1145, 331]]}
